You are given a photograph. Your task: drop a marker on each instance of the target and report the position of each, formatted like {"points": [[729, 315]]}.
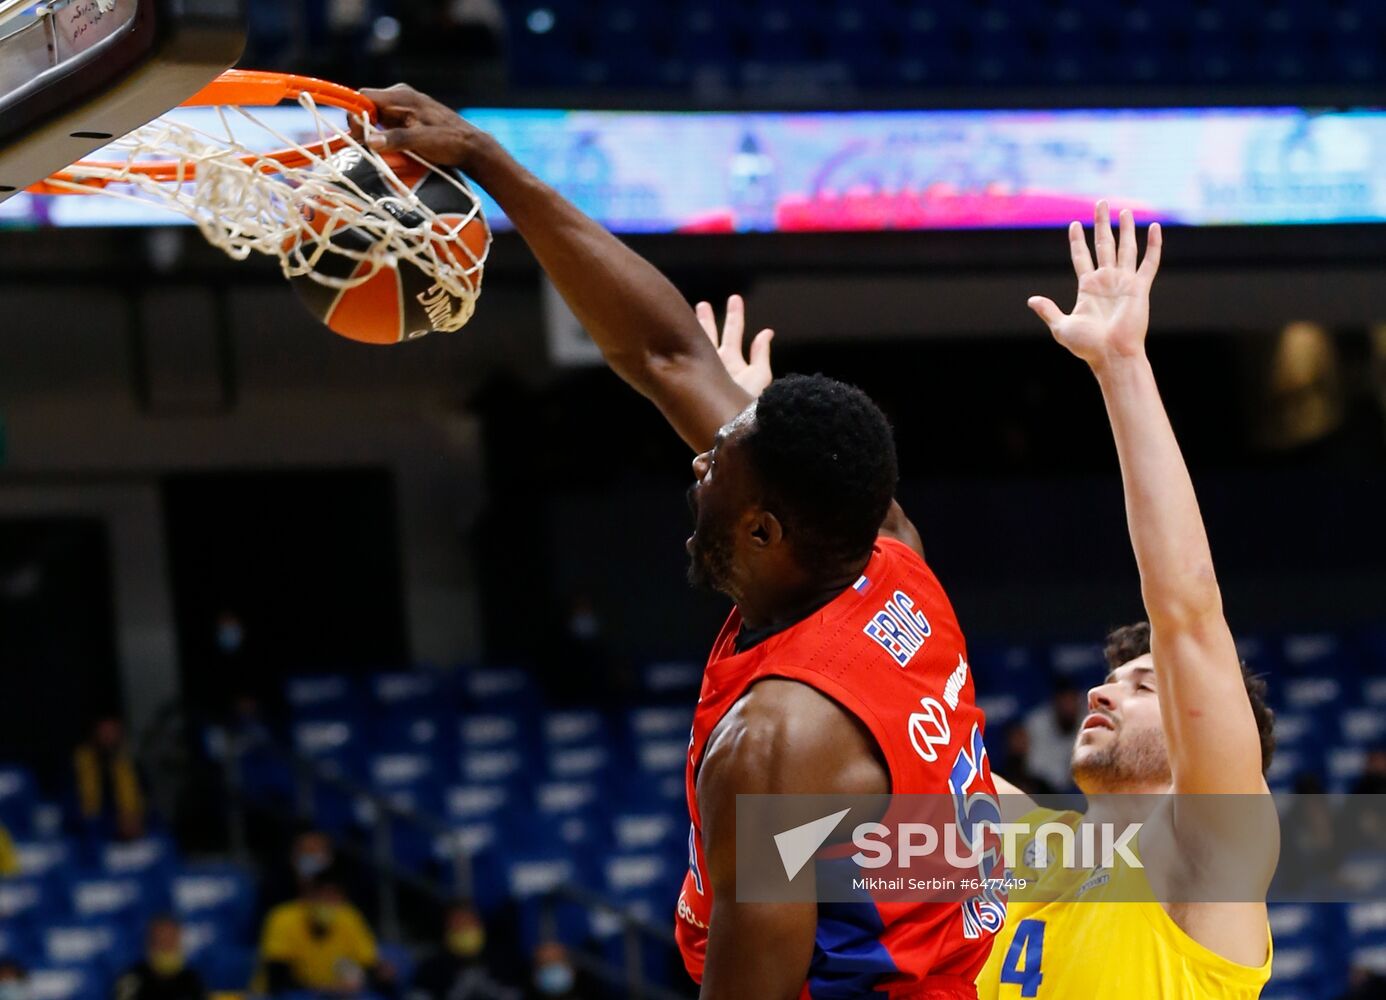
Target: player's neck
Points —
{"points": [[787, 604], [1130, 804]]}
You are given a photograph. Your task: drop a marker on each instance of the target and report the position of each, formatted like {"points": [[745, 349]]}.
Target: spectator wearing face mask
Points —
{"points": [[461, 970], [14, 980], [554, 975], [320, 943], [163, 973]]}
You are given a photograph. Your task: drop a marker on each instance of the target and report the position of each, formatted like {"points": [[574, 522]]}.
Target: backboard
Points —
{"points": [[76, 73]]}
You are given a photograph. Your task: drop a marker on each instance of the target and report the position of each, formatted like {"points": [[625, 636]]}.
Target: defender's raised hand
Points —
{"points": [[753, 376], [1112, 314]]}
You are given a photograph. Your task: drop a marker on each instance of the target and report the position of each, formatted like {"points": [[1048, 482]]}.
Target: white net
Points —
{"points": [[255, 183]]}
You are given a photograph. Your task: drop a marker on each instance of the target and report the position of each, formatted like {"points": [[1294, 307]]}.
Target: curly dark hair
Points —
{"points": [[1130, 641], [824, 455]]}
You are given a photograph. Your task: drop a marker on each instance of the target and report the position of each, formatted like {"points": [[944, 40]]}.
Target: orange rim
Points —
{"points": [[238, 87]]}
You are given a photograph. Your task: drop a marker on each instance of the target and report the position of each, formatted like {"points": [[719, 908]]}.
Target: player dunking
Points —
{"points": [[839, 631], [1177, 713]]}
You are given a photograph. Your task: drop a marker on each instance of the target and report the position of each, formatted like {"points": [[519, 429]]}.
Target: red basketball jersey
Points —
{"points": [[889, 650]]}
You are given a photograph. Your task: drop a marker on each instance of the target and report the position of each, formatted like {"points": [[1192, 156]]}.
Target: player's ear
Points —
{"points": [[766, 529]]}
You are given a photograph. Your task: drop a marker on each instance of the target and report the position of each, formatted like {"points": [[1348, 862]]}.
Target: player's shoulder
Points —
{"points": [[786, 737]]}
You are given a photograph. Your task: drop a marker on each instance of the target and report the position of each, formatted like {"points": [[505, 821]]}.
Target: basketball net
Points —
{"points": [[247, 202]]}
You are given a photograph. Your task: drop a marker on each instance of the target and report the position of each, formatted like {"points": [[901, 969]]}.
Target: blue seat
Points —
{"points": [[150, 857], [465, 803], [570, 813], [487, 730], [671, 679], [1083, 662], [109, 945], [413, 732], [493, 766], [667, 756], [574, 727], [72, 982], [659, 722], [637, 875], [406, 692], [648, 831], [408, 780], [575, 763], [1316, 654], [45, 859], [1364, 727], [1372, 693], [17, 800], [1292, 761], [1310, 694], [27, 901], [222, 893], [496, 688], [1344, 765], [335, 738], [316, 696], [111, 898]]}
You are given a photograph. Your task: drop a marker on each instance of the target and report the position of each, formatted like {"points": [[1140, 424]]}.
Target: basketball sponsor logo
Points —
{"points": [[438, 304], [929, 730], [952, 688]]}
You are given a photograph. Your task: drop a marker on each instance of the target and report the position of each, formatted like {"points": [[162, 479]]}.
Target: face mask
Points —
{"points": [[467, 943], [308, 865], [229, 637], [166, 963], [13, 989], [554, 980]]}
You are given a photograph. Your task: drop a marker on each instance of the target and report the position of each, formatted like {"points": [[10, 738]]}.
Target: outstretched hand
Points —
{"points": [[1110, 318], [753, 376], [409, 120]]}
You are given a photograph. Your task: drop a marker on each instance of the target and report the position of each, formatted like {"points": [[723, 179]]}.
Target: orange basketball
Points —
{"points": [[400, 301]]}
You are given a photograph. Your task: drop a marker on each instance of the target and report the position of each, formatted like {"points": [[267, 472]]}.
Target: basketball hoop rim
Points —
{"points": [[234, 88]]}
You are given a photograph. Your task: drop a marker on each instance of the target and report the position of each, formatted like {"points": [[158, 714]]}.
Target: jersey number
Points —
{"points": [[1022, 964]]}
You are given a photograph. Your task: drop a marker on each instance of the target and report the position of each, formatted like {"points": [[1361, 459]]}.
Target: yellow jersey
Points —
{"points": [[322, 961], [1075, 945]]}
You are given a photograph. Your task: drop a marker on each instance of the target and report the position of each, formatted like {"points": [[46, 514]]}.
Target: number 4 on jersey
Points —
{"points": [[1023, 960]]}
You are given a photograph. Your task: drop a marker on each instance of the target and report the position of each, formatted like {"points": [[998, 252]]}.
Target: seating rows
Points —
{"points": [[75, 915], [879, 45], [883, 44]]}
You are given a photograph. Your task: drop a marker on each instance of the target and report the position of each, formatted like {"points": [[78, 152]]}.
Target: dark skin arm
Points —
{"points": [[781, 738], [644, 327], [641, 323]]}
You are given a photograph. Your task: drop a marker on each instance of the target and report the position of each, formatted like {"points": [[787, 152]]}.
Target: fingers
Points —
{"points": [[1154, 244], [1046, 310], [707, 321], [735, 326], [1078, 249], [392, 139], [401, 95], [1126, 248], [760, 349], [1103, 239]]}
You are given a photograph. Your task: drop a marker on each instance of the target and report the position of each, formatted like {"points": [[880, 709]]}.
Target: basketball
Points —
{"points": [[399, 301]]}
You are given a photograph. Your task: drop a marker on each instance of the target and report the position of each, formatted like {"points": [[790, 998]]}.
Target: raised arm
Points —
{"points": [[645, 329], [1209, 726]]}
